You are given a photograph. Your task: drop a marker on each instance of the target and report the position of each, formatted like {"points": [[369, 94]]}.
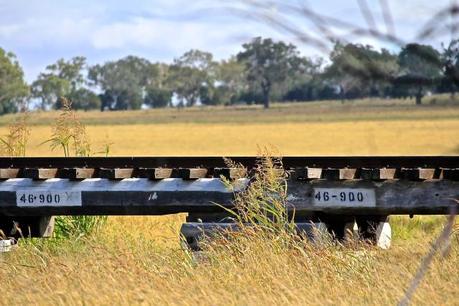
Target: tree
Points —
{"points": [[230, 82], [305, 81], [124, 81], [190, 73], [420, 67], [13, 88], [359, 70], [84, 99], [226, 84], [268, 63], [49, 88], [71, 70], [450, 62], [157, 97], [61, 79]]}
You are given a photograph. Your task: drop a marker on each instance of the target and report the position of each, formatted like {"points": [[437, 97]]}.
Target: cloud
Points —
{"points": [[40, 32], [8, 31], [154, 33], [171, 36]]}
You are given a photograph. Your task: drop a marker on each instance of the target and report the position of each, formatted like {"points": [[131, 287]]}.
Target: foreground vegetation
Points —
{"points": [[134, 260], [140, 260]]}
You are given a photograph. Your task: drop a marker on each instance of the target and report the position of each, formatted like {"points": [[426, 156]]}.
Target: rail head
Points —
{"points": [[289, 162]]}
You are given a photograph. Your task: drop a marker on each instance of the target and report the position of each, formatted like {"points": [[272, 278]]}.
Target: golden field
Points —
{"points": [[344, 138], [138, 260], [379, 127]]}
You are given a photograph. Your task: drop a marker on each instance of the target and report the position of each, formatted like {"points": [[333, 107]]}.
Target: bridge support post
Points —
{"points": [[193, 232], [383, 235], [351, 231], [376, 230], [316, 232], [25, 227], [45, 226]]}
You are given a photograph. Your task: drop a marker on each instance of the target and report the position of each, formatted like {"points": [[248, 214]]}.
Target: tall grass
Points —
{"points": [[264, 203], [266, 226], [15, 142], [264, 221], [138, 260], [70, 135], [76, 227]]}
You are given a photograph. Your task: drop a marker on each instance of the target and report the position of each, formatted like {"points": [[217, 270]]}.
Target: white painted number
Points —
{"points": [[152, 196], [348, 197], [27, 198]]}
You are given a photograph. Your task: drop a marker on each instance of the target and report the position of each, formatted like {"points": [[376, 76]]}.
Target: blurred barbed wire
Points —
{"points": [[291, 17], [317, 29]]}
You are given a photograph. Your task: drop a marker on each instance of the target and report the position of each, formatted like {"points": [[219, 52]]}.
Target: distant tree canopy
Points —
{"points": [[450, 63], [82, 98], [192, 77], [421, 68], [65, 79], [265, 70], [13, 89], [157, 97], [268, 63], [360, 70], [123, 82], [230, 82]]}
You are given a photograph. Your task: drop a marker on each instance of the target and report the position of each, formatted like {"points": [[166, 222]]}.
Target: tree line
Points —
{"points": [[265, 70]]}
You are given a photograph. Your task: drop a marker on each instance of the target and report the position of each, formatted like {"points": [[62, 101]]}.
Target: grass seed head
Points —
{"points": [[15, 142]]}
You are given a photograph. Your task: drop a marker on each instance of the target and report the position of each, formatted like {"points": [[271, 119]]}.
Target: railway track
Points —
{"points": [[334, 189], [210, 162]]}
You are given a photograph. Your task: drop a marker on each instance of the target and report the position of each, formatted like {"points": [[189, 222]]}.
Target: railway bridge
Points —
{"points": [[337, 192]]}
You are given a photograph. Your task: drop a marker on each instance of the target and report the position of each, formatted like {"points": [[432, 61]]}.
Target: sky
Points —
{"points": [[41, 32]]}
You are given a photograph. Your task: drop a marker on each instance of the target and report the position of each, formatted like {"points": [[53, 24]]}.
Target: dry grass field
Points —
{"points": [[368, 127], [138, 260]]}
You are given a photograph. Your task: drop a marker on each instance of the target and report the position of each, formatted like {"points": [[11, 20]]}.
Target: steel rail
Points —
{"points": [[288, 162]]}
